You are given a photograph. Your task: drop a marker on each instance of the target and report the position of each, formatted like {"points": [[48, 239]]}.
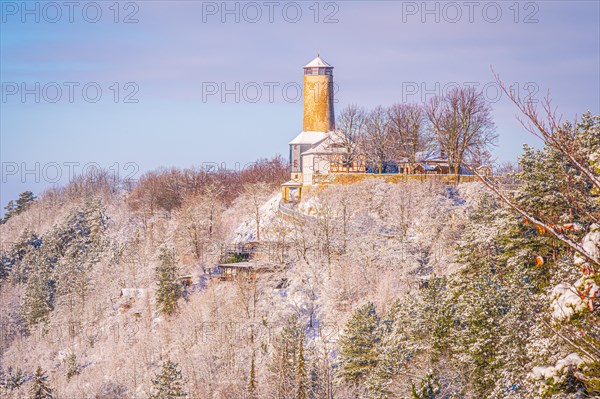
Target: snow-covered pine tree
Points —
{"points": [[314, 381], [39, 293], [252, 377], [25, 199], [429, 388], [320, 375], [301, 376], [479, 303], [169, 290], [21, 256], [561, 188], [76, 246], [13, 208], [393, 349], [10, 209], [6, 265], [489, 328], [39, 388], [96, 219], [13, 379], [168, 383], [72, 366], [483, 304], [358, 345], [282, 367]]}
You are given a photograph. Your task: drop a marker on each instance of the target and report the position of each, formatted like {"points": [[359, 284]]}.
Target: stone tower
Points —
{"points": [[308, 151], [318, 97]]}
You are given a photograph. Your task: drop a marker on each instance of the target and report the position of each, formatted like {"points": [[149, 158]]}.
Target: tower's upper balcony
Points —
{"points": [[318, 71], [318, 67]]}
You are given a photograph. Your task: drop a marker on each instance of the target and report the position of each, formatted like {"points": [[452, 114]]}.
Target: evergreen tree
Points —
{"points": [[169, 290], [73, 368], [390, 355], [314, 380], [15, 207], [19, 260], [13, 379], [39, 292], [10, 210], [77, 246], [168, 383], [39, 388], [60, 266], [484, 305], [282, 367], [481, 318], [320, 374], [429, 388], [6, 265], [301, 376], [25, 199], [553, 190], [252, 377], [358, 345]]}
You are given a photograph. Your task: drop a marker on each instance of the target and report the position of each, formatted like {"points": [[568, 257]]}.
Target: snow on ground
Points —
{"points": [[472, 192], [310, 207], [247, 230]]}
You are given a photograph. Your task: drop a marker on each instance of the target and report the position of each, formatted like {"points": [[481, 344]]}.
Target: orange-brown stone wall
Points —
{"points": [[318, 103]]}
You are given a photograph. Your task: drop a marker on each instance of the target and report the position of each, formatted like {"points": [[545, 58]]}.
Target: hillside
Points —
{"points": [[375, 290]]}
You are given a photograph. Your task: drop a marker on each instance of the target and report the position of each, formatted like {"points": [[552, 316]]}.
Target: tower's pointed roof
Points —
{"points": [[318, 63]]}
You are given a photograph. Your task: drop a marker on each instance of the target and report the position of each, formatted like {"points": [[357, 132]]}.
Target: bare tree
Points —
{"points": [[480, 156], [377, 146], [462, 124], [407, 130], [256, 194], [506, 171], [348, 135], [201, 218]]}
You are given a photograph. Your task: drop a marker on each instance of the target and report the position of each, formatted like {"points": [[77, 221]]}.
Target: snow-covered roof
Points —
{"points": [[318, 63], [427, 156], [427, 167], [292, 183], [309, 138], [326, 146], [319, 149], [430, 156]]}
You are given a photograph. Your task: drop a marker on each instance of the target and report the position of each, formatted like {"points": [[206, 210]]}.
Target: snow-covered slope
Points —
{"points": [[247, 230]]}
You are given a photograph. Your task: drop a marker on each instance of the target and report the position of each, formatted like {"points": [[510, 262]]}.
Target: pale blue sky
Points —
{"points": [[380, 50]]}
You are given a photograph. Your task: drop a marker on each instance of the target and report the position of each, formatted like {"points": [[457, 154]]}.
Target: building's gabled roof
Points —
{"points": [[325, 147], [318, 63], [309, 138], [427, 156], [431, 156], [317, 150], [427, 167]]}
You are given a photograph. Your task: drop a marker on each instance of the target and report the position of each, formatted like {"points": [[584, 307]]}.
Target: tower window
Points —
{"points": [[318, 71]]}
